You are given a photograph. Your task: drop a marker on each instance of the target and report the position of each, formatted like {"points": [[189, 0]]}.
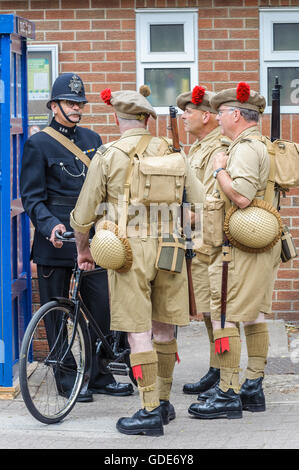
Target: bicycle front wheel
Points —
{"points": [[51, 373]]}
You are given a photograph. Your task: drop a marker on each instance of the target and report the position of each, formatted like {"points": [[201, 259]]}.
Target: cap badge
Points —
{"points": [[75, 84]]}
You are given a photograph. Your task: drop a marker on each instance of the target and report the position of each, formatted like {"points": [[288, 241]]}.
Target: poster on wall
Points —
{"points": [[42, 71]]}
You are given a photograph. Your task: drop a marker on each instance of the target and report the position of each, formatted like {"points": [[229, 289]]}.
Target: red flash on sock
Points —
{"points": [[137, 372], [221, 345], [177, 357]]}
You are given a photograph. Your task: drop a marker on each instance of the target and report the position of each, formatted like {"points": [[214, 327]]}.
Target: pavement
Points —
{"points": [[92, 425]]}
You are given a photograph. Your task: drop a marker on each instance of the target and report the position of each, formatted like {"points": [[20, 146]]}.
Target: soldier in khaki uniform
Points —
{"points": [[200, 120], [242, 173], [145, 302]]}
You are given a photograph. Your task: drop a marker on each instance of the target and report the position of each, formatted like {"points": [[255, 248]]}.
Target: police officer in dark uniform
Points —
{"points": [[50, 182]]}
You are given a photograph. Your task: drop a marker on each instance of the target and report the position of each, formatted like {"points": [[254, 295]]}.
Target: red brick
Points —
{"points": [[90, 35], [229, 65], [61, 14], [90, 14], [43, 4], [90, 56], [229, 44], [106, 46], [77, 24], [105, 24]]}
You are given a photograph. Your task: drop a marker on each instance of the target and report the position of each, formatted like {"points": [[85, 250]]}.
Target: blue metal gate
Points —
{"points": [[15, 277]]}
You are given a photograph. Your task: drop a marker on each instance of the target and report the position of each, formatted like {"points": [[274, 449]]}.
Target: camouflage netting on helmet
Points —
{"points": [[255, 229]]}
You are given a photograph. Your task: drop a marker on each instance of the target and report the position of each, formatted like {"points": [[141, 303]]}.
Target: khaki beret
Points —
{"points": [[198, 98], [129, 104], [240, 97]]}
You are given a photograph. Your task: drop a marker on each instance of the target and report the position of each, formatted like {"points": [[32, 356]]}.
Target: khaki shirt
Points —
{"points": [[107, 174], [248, 164], [201, 156]]}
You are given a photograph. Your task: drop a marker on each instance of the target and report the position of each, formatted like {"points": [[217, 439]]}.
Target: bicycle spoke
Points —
{"points": [[52, 368]]}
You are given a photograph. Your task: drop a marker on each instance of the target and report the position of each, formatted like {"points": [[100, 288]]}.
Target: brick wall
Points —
{"points": [[96, 39]]}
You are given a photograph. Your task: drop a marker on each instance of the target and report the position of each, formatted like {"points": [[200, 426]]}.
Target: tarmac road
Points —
{"points": [[92, 425]]}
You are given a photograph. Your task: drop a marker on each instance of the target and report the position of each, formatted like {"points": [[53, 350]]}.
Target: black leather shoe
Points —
{"points": [[206, 382], [142, 422], [83, 397], [252, 395], [116, 389], [220, 405], [208, 393], [167, 411]]}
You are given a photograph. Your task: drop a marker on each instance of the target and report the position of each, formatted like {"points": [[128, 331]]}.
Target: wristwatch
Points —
{"points": [[215, 173]]}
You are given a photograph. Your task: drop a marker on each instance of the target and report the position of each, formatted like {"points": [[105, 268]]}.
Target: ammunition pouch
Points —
{"points": [[288, 248], [213, 215], [171, 254]]}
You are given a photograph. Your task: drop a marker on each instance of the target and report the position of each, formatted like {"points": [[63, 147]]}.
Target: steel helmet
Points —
{"points": [[68, 86], [110, 249]]}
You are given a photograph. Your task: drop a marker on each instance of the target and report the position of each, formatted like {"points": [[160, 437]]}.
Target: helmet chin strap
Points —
{"points": [[65, 116]]}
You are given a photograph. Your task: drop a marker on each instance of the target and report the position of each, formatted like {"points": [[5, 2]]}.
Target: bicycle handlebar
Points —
{"points": [[65, 237]]}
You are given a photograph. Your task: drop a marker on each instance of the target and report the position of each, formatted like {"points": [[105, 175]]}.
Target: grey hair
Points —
{"points": [[249, 114]]}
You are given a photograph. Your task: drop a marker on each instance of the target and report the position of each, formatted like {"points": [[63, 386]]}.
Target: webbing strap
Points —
{"points": [[138, 150], [63, 140]]}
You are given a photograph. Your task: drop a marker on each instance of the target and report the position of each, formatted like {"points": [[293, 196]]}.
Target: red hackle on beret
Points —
{"points": [[197, 94], [106, 96], [243, 92]]}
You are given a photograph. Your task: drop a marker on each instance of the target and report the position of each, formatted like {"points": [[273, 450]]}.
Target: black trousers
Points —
{"points": [[54, 281]]}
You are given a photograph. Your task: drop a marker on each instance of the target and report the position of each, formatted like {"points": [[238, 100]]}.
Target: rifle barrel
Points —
{"points": [[275, 117]]}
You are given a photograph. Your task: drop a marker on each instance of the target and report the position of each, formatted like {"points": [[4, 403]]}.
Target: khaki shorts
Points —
{"points": [[250, 284], [201, 284], [144, 294]]}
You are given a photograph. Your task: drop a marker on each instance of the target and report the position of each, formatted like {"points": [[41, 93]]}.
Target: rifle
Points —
{"points": [[275, 117], [189, 252]]}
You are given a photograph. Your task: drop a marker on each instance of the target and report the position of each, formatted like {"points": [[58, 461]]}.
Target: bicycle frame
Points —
{"points": [[79, 304]]}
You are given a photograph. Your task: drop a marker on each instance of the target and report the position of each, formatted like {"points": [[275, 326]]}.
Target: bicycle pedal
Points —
{"points": [[118, 368]]}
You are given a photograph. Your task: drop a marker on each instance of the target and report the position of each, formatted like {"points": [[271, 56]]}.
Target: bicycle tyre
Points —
{"points": [[44, 376]]}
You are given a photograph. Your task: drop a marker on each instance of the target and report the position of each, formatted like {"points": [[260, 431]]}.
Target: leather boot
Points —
{"points": [[208, 393], [167, 411], [220, 405], [144, 422], [206, 382], [252, 395]]}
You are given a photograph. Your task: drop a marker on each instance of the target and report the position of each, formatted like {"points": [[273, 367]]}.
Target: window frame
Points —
{"points": [[270, 58], [187, 59]]}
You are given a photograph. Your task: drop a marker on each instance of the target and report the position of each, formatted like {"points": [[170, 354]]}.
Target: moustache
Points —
{"points": [[74, 113]]}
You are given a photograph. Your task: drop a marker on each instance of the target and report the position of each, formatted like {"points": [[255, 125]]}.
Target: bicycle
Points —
{"points": [[46, 365]]}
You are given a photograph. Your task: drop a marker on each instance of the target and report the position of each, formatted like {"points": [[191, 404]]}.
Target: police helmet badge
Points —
{"points": [[75, 84]]}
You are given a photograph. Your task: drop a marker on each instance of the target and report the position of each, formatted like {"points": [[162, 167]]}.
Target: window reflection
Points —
{"points": [[286, 36], [167, 38], [289, 79], [166, 84]]}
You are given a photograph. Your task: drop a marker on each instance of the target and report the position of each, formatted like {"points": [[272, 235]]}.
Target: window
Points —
{"points": [[166, 54], [279, 40]]}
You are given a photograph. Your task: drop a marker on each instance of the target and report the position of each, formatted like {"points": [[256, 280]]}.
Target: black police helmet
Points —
{"points": [[68, 86]]}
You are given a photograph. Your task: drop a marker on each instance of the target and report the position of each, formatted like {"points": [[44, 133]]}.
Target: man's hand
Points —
{"points": [[220, 160], [85, 260], [57, 243]]}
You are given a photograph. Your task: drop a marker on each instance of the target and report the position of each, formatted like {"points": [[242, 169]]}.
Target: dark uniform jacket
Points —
{"points": [[50, 182]]}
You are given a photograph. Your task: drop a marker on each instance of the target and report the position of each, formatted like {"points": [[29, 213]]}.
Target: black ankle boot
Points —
{"points": [[142, 422], [206, 382], [208, 393], [167, 411], [220, 405], [252, 395]]}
